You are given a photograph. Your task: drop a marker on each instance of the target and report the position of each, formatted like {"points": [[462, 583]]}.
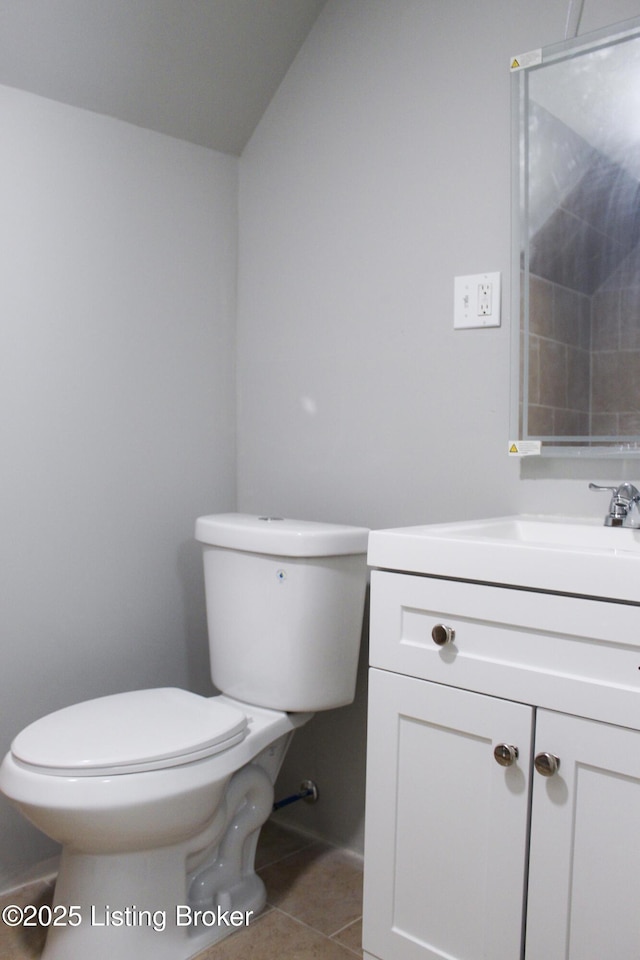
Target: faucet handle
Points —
{"points": [[625, 491], [596, 486]]}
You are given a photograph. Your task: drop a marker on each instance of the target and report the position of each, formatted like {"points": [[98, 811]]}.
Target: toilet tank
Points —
{"points": [[285, 600]]}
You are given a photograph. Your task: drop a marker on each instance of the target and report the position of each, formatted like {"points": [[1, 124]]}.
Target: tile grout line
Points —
{"points": [[282, 858], [345, 926], [320, 933]]}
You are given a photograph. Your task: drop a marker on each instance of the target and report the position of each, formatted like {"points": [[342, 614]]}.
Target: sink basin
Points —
{"points": [[545, 531], [563, 555]]}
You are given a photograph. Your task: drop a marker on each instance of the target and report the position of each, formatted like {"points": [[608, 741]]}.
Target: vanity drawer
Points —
{"points": [[572, 654]]}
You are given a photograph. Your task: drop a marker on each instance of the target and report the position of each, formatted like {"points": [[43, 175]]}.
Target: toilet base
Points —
{"points": [[171, 902]]}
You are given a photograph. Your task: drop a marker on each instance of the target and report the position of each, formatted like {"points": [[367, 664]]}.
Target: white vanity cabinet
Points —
{"points": [[469, 859]]}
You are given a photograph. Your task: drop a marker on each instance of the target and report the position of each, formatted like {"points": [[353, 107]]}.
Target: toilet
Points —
{"points": [[157, 796]]}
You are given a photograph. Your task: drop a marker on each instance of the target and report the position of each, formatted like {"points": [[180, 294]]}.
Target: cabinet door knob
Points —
{"points": [[505, 754], [546, 764], [442, 634]]}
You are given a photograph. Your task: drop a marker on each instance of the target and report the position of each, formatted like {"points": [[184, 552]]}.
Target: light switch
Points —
{"points": [[476, 301]]}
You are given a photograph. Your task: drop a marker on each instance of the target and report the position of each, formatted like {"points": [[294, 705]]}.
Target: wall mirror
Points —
{"points": [[576, 238]]}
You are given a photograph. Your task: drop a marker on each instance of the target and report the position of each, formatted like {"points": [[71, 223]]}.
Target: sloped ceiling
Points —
{"points": [[200, 70]]}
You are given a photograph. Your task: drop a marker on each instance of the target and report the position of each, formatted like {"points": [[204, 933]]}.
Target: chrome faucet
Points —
{"points": [[623, 509]]}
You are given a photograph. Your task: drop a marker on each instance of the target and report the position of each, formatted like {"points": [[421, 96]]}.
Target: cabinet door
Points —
{"points": [[585, 843], [446, 829]]}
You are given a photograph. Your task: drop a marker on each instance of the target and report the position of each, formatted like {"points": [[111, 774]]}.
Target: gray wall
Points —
{"points": [[380, 171], [117, 411]]}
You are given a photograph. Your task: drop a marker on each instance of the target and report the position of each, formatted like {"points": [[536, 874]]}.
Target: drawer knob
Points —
{"points": [[546, 764], [505, 754], [442, 634]]}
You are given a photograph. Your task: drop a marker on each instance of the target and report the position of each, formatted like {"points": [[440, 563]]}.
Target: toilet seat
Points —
{"points": [[129, 733]]}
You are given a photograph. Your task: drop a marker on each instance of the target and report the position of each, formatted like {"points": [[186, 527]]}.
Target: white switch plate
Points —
{"points": [[476, 301]]}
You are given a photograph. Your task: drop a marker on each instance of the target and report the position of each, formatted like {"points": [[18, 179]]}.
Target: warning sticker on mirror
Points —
{"points": [[522, 60], [524, 448]]}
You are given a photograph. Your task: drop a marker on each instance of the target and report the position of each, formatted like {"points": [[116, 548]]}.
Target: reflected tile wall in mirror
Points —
{"points": [[584, 357]]}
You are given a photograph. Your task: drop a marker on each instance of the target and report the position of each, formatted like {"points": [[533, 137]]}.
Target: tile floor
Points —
{"points": [[313, 913]]}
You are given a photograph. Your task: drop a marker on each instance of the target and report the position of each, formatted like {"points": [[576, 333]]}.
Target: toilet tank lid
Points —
{"points": [[280, 536]]}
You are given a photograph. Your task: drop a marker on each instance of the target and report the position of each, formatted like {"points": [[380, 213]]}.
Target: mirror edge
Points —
{"points": [[547, 54]]}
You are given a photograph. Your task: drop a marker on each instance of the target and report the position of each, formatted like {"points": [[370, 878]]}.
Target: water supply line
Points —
{"points": [[308, 791]]}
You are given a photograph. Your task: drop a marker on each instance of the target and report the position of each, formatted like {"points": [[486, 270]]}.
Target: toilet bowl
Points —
{"points": [[158, 796], [160, 834]]}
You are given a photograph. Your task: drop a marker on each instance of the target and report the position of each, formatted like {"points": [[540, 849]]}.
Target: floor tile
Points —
{"points": [[351, 937], [277, 937], [320, 885], [277, 842], [25, 943]]}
